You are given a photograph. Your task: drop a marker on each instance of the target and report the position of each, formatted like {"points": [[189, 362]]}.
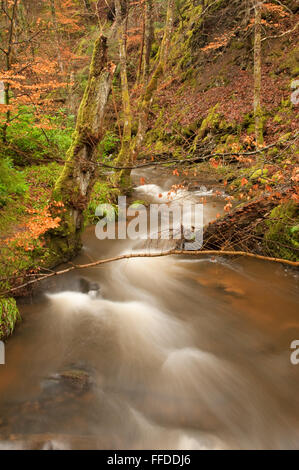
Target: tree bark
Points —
{"points": [[147, 97], [74, 186], [149, 38], [258, 73], [8, 59], [55, 25], [123, 177], [164, 49]]}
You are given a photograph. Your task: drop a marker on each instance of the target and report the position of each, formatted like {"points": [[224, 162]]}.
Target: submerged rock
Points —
{"points": [[87, 287], [77, 379]]}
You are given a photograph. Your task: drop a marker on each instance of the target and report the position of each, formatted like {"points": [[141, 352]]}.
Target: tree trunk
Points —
{"points": [[55, 25], [258, 74], [163, 55], [123, 177], [8, 60], [147, 98], [74, 186], [149, 38], [72, 94], [141, 49]]}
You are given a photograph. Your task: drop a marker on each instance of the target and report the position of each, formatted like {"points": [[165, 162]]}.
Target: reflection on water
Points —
{"points": [[172, 353]]}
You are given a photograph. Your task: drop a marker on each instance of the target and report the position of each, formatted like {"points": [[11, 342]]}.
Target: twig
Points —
{"points": [[154, 255]]}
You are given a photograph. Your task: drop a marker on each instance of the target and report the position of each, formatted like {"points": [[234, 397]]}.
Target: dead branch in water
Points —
{"points": [[151, 255]]}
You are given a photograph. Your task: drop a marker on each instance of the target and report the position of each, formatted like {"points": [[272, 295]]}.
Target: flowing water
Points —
{"points": [[173, 353]]}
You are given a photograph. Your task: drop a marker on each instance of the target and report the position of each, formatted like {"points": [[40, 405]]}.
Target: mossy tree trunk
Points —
{"points": [[163, 54], [258, 73], [138, 77], [149, 39], [148, 95], [122, 178], [74, 186]]}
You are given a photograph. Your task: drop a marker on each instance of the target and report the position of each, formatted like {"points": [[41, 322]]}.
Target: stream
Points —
{"points": [[173, 353]]}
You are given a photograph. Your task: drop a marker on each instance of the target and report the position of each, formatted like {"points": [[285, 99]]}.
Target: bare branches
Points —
{"points": [[289, 31], [193, 159]]}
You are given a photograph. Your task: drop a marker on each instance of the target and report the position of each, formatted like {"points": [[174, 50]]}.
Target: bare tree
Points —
{"points": [[10, 18], [56, 32]]}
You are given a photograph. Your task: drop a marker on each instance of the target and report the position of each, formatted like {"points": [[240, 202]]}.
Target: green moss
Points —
{"points": [[210, 122], [281, 237], [102, 193], [237, 44], [259, 173], [290, 64], [9, 315]]}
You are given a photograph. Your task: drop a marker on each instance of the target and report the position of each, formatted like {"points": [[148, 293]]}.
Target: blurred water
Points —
{"points": [[180, 353]]}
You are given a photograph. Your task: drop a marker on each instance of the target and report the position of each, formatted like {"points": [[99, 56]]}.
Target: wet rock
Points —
{"points": [[75, 378], [71, 380], [86, 286]]}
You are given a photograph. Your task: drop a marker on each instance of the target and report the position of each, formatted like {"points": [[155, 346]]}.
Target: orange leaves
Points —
{"points": [[174, 189], [228, 207], [38, 224], [244, 181], [57, 204], [229, 204], [279, 10], [175, 172], [142, 181], [4, 108], [220, 41], [214, 163], [44, 66]]}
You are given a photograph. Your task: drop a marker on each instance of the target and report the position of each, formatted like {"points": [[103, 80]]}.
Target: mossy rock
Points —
{"points": [[78, 379], [281, 238], [259, 174], [9, 315]]}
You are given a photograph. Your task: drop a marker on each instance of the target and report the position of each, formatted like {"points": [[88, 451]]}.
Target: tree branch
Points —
{"points": [[152, 255]]}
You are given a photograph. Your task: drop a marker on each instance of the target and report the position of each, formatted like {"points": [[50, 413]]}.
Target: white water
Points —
{"points": [[182, 354]]}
